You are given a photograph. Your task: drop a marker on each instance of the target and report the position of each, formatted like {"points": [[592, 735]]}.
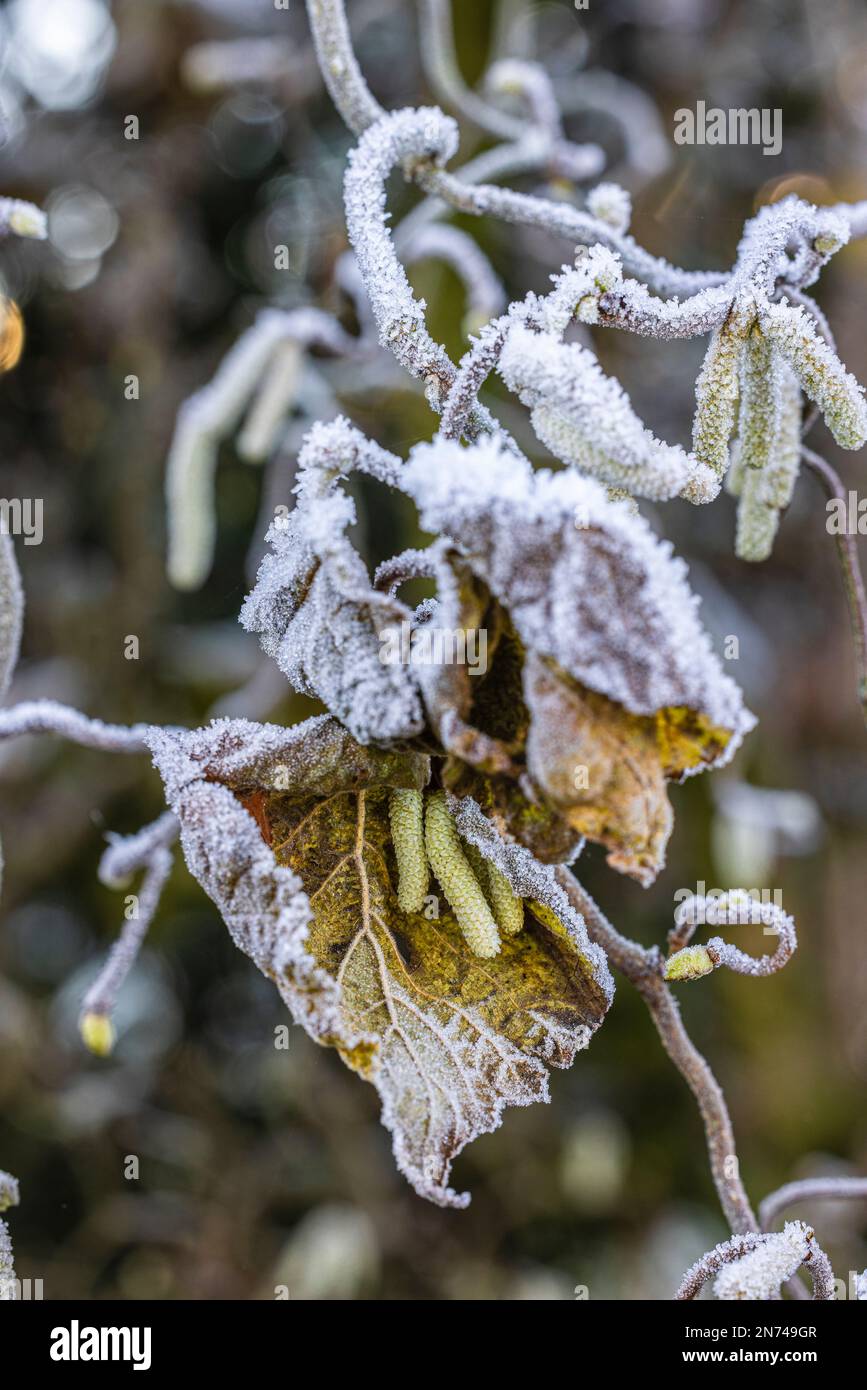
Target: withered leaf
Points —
{"points": [[605, 682], [306, 880]]}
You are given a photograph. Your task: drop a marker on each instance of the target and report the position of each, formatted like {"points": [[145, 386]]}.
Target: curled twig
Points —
{"points": [[808, 1190]]}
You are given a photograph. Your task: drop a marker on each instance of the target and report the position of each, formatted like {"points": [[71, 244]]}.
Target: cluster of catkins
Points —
{"points": [[426, 838]]}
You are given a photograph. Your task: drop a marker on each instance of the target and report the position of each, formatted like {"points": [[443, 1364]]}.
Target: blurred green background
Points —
{"points": [[260, 1167]]}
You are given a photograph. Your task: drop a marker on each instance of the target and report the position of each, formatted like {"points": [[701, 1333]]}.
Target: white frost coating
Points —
{"points": [[314, 607], [557, 554], [611, 204], [263, 904], [212, 413], [530, 82], [530, 879], [402, 137], [585, 417], [759, 1274], [50, 717], [754, 1265]]}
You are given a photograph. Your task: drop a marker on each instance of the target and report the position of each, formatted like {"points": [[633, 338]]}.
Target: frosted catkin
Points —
{"points": [[457, 880]]}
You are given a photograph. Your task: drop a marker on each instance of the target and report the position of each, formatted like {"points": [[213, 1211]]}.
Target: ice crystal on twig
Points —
{"points": [[148, 850], [50, 717], [807, 1190], [611, 204], [755, 1265]]}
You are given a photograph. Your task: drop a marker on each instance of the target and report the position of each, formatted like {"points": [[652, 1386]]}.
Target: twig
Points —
{"points": [[755, 1264], [847, 552], [807, 1190], [50, 717], [644, 969]]}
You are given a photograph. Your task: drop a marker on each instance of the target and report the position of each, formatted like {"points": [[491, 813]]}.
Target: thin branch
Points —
{"points": [[50, 717], [809, 1190], [100, 1000], [850, 569], [753, 1265]]}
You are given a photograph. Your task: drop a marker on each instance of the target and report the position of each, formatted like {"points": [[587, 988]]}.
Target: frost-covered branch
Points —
{"points": [[50, 717], [524, 79], [359, 109], [644, 969], [22, 219], [738, 907], [809, 1190], [148, 850]]}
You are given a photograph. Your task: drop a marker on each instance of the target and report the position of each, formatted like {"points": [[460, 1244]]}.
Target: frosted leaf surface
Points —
{"points": [[586, 583], [313, 604], [288, 831]]}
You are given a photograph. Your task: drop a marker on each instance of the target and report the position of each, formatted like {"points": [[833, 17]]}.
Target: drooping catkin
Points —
{"points": [[406, 815], [507, 907], [764, 493], [457, 880], [717, 391], [761, 371]]}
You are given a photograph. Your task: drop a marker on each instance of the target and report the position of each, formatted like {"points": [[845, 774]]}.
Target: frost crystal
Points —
{"points": [[557, 554], [759, 1274]]}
